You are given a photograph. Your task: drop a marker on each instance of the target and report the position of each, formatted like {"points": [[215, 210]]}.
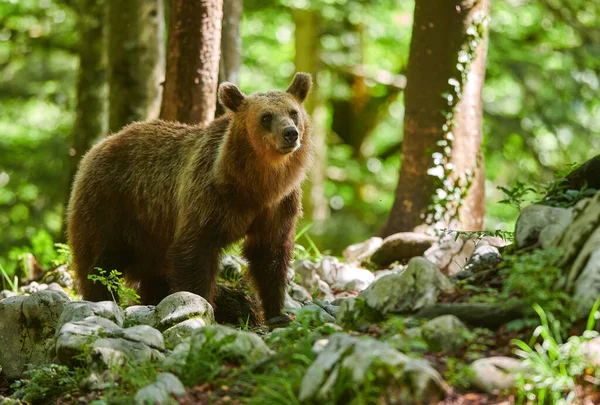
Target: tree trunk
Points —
{"points": [[192, 61], [136, 60], [231, 45], [231, 41], [91, 112], [439, 130], [307, 59]]}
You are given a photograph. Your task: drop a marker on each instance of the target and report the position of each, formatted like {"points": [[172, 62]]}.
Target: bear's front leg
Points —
{"points": [[194, 263], [268, 247]]}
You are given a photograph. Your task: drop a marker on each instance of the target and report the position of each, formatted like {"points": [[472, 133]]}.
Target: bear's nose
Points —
{"points": [[290, 134]]}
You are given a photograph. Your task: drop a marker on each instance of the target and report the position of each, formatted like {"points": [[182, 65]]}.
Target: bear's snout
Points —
{"points": [[290, 135]]}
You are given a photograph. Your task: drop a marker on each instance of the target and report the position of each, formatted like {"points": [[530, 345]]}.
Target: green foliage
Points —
{"points": [[7, 283], [478, 235], [533, 278], [42, 384], [515, 196], [115, 284], [550, 368], [300, 252]]}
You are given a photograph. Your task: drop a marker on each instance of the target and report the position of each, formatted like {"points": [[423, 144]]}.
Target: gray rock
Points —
{"points": [[590, 351], [362, 251], [577, 235], [451, 252], [79, 310], [59, 275], [140, 315], [535, 220], [290, 304], [27, 329], [446, 333], [109, 343], [324, 291], [344, 357], [419, 286], [231, 344], [33, 287], [329, 308], [484, 257], [299, 293], [494, 374], [177, 333], [317, 312], [181, 306], [343, 276], [306, 272], [355, 314], [55, 287], [401, 247], [230, 268], [161, 391], [7, 293], [586, 287]]}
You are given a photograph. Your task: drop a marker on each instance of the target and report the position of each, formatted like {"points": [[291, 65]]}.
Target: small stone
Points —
{"points": [[290, 304], [494, 374], [33, 287], [306, 272], [445, 333], [7, 293], [324, 291], [317, 312]]}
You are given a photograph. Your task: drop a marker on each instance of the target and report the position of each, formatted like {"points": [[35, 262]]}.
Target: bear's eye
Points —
{"points": [[294, 114], [266, 119]]}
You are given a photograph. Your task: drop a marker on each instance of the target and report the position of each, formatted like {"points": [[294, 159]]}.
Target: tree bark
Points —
{"points": [[231, 41], [91, 121], [192, 61], [136, 60], [439, 35], [231, 45], [307, 59]]}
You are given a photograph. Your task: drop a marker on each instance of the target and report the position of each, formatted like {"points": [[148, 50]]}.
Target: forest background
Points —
{"points": [[541, 110]]}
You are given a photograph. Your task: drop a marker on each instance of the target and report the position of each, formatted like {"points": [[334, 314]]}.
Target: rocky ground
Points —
{"points": [[406, 320]]}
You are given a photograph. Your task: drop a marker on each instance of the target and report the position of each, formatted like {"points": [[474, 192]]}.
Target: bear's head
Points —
{"points": [[275, 122]]}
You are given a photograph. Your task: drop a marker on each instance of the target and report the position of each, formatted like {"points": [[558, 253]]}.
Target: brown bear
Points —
{"points": [[159, 200]]}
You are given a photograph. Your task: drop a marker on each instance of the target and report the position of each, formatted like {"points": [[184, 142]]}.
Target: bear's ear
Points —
{"points": [[300, 86], [230, 96]]}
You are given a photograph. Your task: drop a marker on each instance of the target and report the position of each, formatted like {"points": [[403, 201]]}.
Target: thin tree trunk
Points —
{"points": [[192, 61], [231, 45], [91, 112], [439, 35], [136, 60], [307, 59], [231, 41]]}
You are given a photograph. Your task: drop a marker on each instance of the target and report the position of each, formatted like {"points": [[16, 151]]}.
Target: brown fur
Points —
{"points": [[159, 200]]}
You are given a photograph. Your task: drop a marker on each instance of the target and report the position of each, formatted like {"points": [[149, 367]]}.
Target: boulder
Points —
{"points": [[177, 333], [401, 247], [417, 287], [79, 310], [27, 329], [349, 364]]}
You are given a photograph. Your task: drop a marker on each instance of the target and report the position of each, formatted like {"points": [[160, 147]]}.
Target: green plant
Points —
{"points": [[13, 284], [63, 254], [516, 196], [551, 369], [458, 373], [532, 277], [116, 285], [44, 383], [478, 235], [300, 252]]}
